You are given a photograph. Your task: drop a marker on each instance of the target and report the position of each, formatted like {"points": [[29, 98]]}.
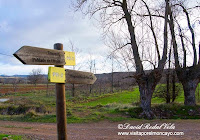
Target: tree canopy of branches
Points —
{"points": [[133, 25]]}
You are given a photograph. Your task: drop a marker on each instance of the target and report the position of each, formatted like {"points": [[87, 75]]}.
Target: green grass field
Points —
{"points": [[12, 137], [38, 107]]}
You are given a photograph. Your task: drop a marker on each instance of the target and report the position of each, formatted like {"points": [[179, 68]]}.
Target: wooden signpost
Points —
{"points": [[39, 56], [61, 75], [80, 77]]}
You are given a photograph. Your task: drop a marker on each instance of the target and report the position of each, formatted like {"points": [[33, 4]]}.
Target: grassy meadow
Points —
{"points": [[37, 106]]}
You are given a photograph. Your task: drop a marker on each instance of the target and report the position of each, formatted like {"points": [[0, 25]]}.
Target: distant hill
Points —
{"points": [[124, 77], [13, 76], [21, 76]]}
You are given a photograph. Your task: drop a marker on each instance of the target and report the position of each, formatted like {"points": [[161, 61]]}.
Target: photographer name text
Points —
{"points": [[147, 126]]}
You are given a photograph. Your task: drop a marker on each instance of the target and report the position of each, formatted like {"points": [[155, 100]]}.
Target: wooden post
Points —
{"points": [[61, 104]]}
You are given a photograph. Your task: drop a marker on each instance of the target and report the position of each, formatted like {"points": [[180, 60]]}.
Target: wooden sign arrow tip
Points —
{"points": [[15, 54]]}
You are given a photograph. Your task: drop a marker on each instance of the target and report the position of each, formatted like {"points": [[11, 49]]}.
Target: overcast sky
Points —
{"points": [[41, 23]]}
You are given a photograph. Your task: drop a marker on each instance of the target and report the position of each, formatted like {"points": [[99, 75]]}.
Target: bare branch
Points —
{"points": [[152, 29], [133, 6], [161, 63], [171, 25], [150, 63], [192, 33], [121, 47], [131, 29], [153, 15], [183, 46]]}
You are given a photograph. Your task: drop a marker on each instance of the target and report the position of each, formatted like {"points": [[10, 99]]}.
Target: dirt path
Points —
{"points": [[102, 130]]}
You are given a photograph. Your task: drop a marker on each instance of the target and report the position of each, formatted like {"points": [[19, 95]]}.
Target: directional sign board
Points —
{"points": [[80, 77], [56, 75], [60, 75], [70, 58], [40, 56]]}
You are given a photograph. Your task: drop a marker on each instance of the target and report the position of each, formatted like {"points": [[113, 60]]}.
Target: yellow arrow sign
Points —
{"points": [[56, 75], [70, 58]]}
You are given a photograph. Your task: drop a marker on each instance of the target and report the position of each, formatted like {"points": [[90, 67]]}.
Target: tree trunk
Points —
{"points": [[112, 82], [189, 87], [189, 78], [73, 90], [173, 87], [168, 89], [168, 79], [100, 88], [147, 84], [90, 90], [145, 101]]}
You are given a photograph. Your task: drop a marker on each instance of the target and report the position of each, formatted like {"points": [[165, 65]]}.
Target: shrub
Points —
{"points": [[31, 113], [161, 92]]}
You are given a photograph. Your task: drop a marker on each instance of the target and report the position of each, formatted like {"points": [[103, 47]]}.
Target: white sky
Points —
{"points": [[42, 23]]}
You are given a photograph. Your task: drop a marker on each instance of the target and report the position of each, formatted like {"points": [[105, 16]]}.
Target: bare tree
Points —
{"points": [[181, 36], [2, 80], [121, 16], [112, 57], [77, 52], [15, 82], [35, 76], [112, 76], [92, 66]]}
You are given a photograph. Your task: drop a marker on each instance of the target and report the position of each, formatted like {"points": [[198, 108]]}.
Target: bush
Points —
{"points": [[31, 113], [161, 91]]}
